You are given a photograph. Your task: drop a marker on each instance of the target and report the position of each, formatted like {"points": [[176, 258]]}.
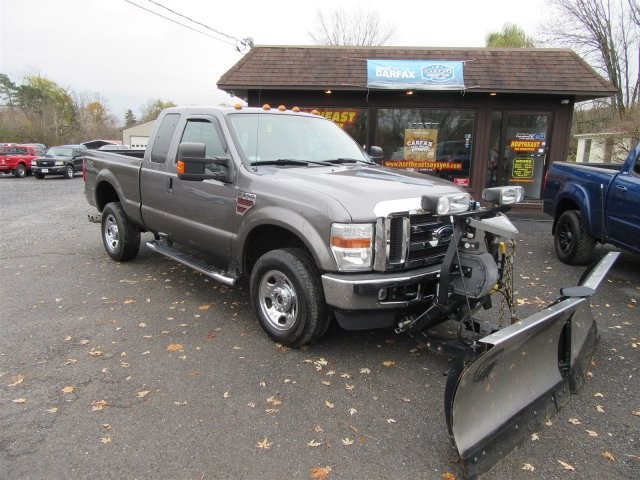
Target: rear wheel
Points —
{"points": [[287, 296], [121, 238], [573, 245], [69, 171], [21, 171]]}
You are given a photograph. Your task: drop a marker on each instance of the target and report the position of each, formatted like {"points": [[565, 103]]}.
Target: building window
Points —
{"points": [[438, 142]]}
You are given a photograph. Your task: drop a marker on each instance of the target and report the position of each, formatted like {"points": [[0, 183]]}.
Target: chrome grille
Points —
{"points": [[427, 242]]}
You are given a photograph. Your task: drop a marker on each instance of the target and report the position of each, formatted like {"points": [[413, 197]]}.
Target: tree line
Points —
{"points": [[39, 110]]}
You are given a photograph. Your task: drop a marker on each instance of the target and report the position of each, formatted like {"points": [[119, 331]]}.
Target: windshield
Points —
{"points": [[59, 152], [267, 138]]}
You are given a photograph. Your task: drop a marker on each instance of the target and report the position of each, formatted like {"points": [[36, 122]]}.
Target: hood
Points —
{"points": [[365, 191]]}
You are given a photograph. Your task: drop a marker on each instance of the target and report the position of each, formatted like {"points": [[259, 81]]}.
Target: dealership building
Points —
{"points": [[477, 116]]}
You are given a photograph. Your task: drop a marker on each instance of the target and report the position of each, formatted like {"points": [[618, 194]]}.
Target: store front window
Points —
{"points": [[351, 120], [437, 142]]}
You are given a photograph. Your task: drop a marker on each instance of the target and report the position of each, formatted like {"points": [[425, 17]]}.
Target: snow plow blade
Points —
{"points": [[518, 377]]}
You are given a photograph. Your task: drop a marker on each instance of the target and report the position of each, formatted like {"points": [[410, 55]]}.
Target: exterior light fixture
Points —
{"points": [[564, 101], [328, 92], [409, 92], [493, 94]]}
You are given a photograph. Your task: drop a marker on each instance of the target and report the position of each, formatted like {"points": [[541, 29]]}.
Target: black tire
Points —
{"points": [[21, 171], [573, 245], [286, 293], [38, 175], [69, 172], [120, 237]]}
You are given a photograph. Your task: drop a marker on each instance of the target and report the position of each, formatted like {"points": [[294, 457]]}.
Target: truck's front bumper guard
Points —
{"points": [[379, 290]]}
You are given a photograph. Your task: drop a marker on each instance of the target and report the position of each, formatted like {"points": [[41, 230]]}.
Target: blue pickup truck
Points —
{"points": [[593, 203]]}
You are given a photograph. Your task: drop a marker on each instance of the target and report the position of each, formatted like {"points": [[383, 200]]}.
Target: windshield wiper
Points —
{"points": [[287, 161], [336, 161]]}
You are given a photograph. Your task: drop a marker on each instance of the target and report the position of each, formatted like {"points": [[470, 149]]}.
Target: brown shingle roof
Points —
{"points": [[514, 70]]}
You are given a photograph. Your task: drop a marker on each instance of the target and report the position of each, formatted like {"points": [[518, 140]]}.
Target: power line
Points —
{"points": [[244, 43]]}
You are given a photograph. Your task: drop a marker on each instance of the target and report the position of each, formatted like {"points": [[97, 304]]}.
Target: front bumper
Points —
{"points": [[56, 170], [373, 291]]}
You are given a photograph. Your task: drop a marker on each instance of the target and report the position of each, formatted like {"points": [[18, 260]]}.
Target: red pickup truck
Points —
{"points": [[16, 159]]}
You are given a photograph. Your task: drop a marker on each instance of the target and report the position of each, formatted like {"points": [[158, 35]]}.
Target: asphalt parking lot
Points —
{"points": [[149, 370]]}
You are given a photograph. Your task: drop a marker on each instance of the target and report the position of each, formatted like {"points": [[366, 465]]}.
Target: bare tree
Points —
{"points": [[357, 27], [604, 32]]}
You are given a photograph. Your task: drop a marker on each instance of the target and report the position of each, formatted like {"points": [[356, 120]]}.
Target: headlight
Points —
{"points": [[352, 246], [59, 163], [446, 204], [33, 163], [503, 195]]}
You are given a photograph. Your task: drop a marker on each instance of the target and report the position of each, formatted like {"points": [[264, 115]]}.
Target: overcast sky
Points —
{"points": [[128, 55]]}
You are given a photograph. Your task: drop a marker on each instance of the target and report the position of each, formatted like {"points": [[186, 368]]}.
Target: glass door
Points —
{"points": [[518, 150]]}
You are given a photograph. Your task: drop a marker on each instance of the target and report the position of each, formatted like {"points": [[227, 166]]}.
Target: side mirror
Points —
{"points": [[192, 163], [376, 154]]}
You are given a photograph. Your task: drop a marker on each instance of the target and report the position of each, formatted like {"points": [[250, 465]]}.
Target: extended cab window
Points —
{"points": [[162, 142]]}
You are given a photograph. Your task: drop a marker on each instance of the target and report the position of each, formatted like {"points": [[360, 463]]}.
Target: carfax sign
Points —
{"points": [[415, 74]]}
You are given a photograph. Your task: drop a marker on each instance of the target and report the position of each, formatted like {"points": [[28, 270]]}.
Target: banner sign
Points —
{"points": [[339, 116], [415, 74]]}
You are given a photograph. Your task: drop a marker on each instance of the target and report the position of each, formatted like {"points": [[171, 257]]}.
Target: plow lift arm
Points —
{"points": [[515, 378]]}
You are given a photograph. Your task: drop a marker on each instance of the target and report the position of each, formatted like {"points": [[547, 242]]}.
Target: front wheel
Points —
{"points": [[121, 238], [573, 245], [21, 171], [287, 296], [69, 171]]}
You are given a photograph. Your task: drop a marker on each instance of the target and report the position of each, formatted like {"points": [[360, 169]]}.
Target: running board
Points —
{"points": [[197, 264]]}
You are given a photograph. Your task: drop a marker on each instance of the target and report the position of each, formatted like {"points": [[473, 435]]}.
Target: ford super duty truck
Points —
{"points": [[293, 203], [591, 204]]}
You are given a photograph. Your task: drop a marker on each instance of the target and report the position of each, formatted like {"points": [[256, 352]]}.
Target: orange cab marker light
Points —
{"points": [[282, 108], [266, 106], [238, 106], [350, 242], [315, 112], [180, 167], [295, 109]]}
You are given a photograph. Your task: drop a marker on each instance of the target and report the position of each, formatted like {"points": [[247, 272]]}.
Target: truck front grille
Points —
{"points": [[417, 240]]}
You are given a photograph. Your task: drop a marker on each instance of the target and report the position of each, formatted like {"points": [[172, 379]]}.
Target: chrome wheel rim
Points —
{"points": [[111, 236], [278, 300]]}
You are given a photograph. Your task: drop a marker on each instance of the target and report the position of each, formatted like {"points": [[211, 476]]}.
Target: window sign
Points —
{"points": [[415, 74]]}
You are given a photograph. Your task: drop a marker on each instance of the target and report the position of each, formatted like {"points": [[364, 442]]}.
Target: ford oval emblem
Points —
{"points": [[444, 233]]}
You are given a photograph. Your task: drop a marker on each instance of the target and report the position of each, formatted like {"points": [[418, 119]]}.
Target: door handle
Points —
{"points": [[621, 188], [170, 185]]}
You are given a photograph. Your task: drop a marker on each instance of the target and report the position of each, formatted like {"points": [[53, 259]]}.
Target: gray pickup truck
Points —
{"points": [[289, 200]]}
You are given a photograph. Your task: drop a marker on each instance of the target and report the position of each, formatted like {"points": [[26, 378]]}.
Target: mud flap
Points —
{"points": [[518, 377]]}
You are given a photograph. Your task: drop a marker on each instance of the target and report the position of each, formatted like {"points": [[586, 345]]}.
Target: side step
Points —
{"points": [[197, 264]]}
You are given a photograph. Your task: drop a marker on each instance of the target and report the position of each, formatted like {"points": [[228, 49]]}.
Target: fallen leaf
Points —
{"points": [[265, 443], [314, 443], [273, 401], [143, 393], [534, 437], [17, 380], [575, 421], [204, 307], [348, 386], [107, 426], [319, 429], [636, 413], [566, 466], [52, 410], [391, 420], [95, 353], [598, 394], [448, 476], [600, 408], [180, 403], [175, 347], [129, 301], [528, 467], [68, 389], [365, 371], [347, 441], [548, 423], [388, 363], [320, 473], [20, 400], [327, 383], [271, 411], [608, 456], [352, 411], [105, 440], [329, 404], [226, 395], [345, 375], [592, 433], [98, 405]]}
